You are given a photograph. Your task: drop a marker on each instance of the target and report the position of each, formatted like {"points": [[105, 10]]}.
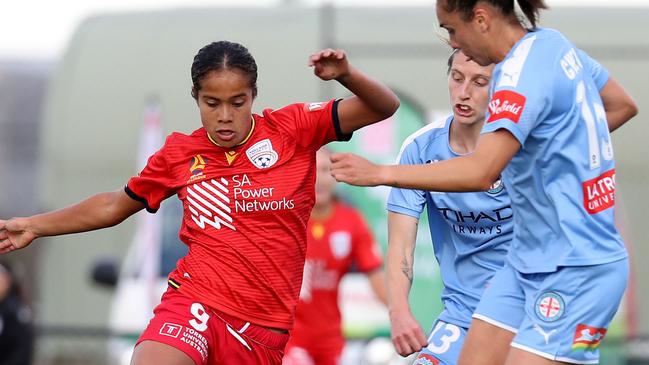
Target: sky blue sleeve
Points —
{"points": [[522, 89], [597, 71], [408, 201]]}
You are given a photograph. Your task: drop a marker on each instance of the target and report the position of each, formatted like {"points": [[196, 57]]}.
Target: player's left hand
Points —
{"points": [[14, 235], [330, 64], [355, 170]]}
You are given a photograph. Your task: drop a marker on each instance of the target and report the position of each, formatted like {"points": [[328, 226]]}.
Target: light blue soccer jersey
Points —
{"points": [[471, 232], [562, 180]]}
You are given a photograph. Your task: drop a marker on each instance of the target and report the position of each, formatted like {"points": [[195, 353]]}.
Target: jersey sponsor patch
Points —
{"points": [[312, 107], [506, 104], [425, 359], [209, 204], [587, 338], [262, 155], [599, 193], [549, 306], [171, 330]]}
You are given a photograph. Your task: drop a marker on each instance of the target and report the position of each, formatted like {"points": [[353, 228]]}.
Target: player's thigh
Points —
{"points": [[178, 323], [566, 314], [485, 344], [151, 352], [444, 345], [495, 321]]}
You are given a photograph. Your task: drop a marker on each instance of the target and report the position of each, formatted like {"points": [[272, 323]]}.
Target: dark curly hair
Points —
{"points": [[530, 8], [223, 55]]}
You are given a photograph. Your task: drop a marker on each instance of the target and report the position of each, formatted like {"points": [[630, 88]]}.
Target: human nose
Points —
{"points": [[452, 42], [225, 114], [465, 90]]}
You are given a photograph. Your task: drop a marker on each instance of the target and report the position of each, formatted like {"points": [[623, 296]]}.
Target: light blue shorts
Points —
{"points": [[562, 315], [444, 345]]}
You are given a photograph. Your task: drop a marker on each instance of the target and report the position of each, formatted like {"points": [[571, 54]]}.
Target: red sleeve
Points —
{"points": [[366, 253], [312, 124], [154, 184]]}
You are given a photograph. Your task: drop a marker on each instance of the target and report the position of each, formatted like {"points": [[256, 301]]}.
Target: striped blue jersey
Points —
{"points": [[562, 180], [471, 232]]}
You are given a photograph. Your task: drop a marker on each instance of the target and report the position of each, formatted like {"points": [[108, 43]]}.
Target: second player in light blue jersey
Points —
{"points": [[471, 232], [547, 132]]}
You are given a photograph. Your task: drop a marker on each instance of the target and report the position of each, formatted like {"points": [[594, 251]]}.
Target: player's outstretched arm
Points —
{"points": [[372, 101], [474, 172], [618, 104], [407, 335], [99, 211]]}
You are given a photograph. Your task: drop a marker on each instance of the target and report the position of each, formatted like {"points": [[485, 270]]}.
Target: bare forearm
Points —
{"points": [[95, 212], [402, 234], [617, 117], [371, 93], [399, 278], [460, 174], [618, 104]]}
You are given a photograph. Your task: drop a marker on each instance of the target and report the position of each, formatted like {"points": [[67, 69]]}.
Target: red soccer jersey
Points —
{"points": [[334, 244], [245, 209]]}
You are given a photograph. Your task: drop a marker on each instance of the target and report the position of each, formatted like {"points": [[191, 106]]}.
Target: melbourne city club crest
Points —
{"points": [[549, 306], [496, 187], [262, 155]]}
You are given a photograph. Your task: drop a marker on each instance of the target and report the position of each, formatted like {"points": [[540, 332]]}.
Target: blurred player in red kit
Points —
{"points": [[337, 240], [246, 182]]}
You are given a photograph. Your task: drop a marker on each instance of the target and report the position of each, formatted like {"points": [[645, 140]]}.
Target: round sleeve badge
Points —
{"points": [[549, 306]]}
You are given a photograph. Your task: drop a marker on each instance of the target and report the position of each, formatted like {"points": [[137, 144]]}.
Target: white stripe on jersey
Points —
{"points": [[511, 69], [440, 123]]}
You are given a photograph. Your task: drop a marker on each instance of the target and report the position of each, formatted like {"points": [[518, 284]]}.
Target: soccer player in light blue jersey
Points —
{"points": [[547, 133], [471, 232]]}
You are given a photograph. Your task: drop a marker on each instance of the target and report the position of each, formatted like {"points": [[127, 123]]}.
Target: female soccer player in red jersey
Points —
{"points": [[246, 182], [337, 238]]}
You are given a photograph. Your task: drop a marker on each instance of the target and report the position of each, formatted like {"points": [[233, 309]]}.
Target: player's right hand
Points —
{"points": [[407, 335], [14, 234]]}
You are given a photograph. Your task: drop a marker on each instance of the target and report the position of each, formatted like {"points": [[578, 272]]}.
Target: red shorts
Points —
{"points": [[296, 355], [211, 337]]}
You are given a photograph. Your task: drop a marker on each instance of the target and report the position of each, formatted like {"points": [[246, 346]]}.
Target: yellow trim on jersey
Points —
{"points": [[240, 143], [173, 284]]}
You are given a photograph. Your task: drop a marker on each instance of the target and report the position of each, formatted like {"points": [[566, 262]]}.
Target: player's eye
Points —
{"points": [[481, 83], [211, 103]]}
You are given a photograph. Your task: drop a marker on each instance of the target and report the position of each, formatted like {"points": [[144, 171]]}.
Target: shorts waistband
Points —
{"points": [[260, 334]]}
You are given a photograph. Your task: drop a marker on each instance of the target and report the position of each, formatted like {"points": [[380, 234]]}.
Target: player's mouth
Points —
{"points": [[225, 135], [463, 110]]}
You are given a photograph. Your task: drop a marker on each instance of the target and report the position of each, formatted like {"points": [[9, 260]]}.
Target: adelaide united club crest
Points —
{"points": [[262, 155]]}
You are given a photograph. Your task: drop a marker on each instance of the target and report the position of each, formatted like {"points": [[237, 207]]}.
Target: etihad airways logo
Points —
{"points": [[506, 104]]}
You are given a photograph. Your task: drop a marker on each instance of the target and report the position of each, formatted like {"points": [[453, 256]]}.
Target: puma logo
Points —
{"points": [[546, 335]]}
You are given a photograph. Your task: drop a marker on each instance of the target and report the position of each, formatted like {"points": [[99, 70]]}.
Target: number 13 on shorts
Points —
{"points": [[444, 345]]}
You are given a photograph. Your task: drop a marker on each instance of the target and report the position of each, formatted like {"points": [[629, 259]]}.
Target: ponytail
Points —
{"points": [[530, 8]]}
